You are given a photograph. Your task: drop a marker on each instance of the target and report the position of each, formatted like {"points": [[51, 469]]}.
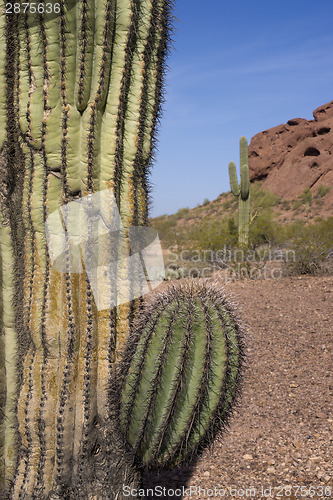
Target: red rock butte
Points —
{"points": [[295, 156]]}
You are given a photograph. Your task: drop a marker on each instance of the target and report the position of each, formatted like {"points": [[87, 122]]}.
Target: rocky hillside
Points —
{"points": [[295, 156]]}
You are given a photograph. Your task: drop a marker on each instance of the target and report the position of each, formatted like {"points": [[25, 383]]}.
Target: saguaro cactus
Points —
{"points": [[80, 98], [242, 192]]}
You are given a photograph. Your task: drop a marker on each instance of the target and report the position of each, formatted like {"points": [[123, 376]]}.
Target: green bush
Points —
{"points": [[212, 235], [313, 249], [323, 190], [227, 204], [263, 229], [306, 196], [260, 198], [285, 205], [297, 204], [182, 212]]}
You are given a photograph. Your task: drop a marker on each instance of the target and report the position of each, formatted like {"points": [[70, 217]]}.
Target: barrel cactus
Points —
{"points": [[81, 92], [242, 192], [182, 373]]}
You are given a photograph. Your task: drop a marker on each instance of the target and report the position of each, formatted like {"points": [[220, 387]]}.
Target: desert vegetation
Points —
{"points": [[274, 225]]}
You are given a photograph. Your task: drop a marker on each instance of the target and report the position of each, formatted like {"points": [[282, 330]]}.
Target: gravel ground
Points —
{"points": [[280, 441]]}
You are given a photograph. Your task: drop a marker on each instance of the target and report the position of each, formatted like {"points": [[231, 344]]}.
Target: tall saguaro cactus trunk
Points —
{"points": [[242, 192], [80, 99]]}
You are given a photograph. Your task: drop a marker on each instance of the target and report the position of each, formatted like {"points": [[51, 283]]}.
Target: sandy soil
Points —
{"points": [[281, 438]]}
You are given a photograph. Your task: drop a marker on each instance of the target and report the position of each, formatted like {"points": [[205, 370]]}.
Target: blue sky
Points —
{"points": [[237, 68]]}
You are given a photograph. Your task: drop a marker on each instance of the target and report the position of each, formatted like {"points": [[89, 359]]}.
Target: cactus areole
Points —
{"points": [[242, 192], [81, 86]]}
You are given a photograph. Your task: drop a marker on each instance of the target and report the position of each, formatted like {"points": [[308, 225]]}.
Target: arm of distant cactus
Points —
{"points": [[233, 179], [244, 169], [245, 182], [182, 373]]}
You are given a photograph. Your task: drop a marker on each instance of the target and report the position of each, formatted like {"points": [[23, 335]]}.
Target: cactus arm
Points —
{"points": [[243, 151], [111, 138], [150, 110], [233, 179], [244, 169], [245, 182]]}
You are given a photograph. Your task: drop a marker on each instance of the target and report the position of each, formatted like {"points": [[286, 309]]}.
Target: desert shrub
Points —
{"points": [[205, 202], [313, 249], [166, 226], [285, 204], [260, 198], [323, 190], [306, 196], [227, 204], [297, 204], [182, 212], [212, 235], [264, 229]]}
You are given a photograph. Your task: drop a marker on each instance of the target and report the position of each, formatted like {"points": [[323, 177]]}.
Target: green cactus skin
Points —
{"points": [[183, 373], [242, 192], [80, 95]]}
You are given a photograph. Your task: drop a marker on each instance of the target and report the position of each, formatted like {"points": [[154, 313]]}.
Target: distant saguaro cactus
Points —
{"points": [[242, 192]]}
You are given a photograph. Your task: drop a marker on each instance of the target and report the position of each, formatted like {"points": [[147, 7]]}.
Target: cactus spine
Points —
{"points": [[80, 94], [183, 370], [242, 192]]}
